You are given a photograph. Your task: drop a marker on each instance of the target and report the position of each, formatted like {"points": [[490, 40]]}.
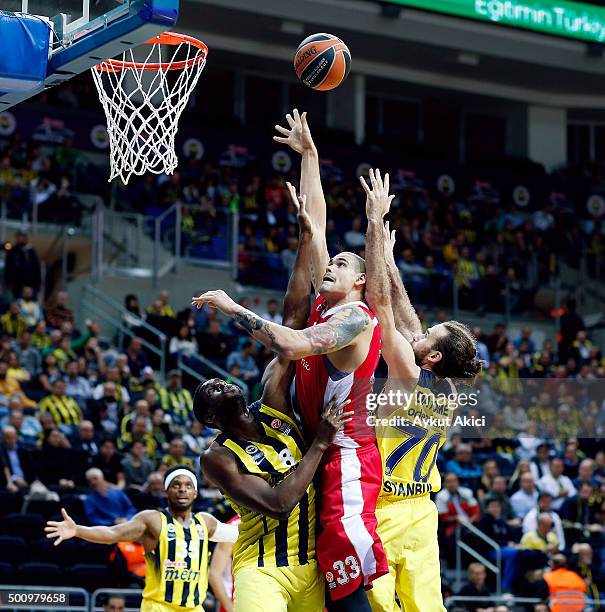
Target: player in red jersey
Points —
{"points": [[337, 355]]}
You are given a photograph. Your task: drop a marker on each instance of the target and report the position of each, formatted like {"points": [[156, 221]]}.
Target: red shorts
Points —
{"points": [[349, 550]]}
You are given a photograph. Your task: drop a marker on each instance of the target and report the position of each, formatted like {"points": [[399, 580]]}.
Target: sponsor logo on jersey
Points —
{"points": [[276, 423], [405, 489], [305, 364], [175, 564], [251, 449], [171, 532], [329, 576]]}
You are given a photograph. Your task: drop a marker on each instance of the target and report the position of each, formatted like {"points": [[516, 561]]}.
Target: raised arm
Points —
{"points": [[251, 491], [406, 319], [340, 331], [397, 351], [278, 374], [298, 137], [297, 304], [139, 525]]}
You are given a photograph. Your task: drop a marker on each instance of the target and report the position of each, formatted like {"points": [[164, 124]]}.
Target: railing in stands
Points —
{"points": [[463, 546], [115, 316], [74, 606]]}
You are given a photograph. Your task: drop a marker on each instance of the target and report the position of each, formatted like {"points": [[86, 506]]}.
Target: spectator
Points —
{"points": [[176, 401], [214, 344], [177, 455], [140, 431], [165, 309], [10, 387], [272, 314], [160, 431], [183, 344], [56, 466], [28, 427], [22, 268], [134, 315], [540, 464], [141, 409], [40, 337], [12, 321], [29, 356], [498, 491], [543, 539], [567, 589], [137, 466], [110, 463], [65, 411], [583, 562], [107, 411], [526, 497], [586, 474], [114, 603], [475, 587], [557, 484], [77, 386], [113, 375], [18, 461], [464, 467], [579, 511], [106, 505], [288, 255], [58, 312], [86, 441], [29, 307], [455, 504], [137, 358], [530, 522], [245, 361], [355, 239]]}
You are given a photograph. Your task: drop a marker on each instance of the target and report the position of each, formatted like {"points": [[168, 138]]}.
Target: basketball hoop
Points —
{"points": [[143, 109]]}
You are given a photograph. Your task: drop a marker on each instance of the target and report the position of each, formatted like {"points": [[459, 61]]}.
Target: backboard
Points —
{"points": [[82, 34]]}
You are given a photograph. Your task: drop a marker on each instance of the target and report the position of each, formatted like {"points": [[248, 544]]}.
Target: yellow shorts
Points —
{"points": [[408, 530], [155, 606], [279, 589]]}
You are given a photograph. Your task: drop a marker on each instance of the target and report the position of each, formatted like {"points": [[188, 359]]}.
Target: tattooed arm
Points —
{"points": [[340, 331], [406, 319]]}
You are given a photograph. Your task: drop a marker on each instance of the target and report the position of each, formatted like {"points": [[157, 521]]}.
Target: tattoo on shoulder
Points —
{"points": [[338, 332]]}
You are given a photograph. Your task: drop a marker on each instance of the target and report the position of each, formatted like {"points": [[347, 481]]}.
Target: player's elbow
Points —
{"points": [[280, 509]]}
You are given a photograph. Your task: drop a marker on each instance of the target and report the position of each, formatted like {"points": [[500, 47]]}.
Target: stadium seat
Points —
{"points": [[65, 555], [28, 526], [95, 553], [90, 576], [8, 574], [47, 574], [45, 508], [9, 502], [13, 549]]}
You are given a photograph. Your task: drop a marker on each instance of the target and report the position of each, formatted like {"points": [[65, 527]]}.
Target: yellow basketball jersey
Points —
{"points": [[410, 438], [177, 570], [264, 541]]}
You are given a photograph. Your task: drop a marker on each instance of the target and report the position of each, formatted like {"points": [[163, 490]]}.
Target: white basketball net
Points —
{"points": [[143, 107]]}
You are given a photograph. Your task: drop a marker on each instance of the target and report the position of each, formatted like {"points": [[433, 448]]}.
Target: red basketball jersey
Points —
{"points": [[318, 381]]}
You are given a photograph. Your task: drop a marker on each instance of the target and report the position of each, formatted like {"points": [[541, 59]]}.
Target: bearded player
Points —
{"points": [[421, 366], [175, 542], [337, 355]]}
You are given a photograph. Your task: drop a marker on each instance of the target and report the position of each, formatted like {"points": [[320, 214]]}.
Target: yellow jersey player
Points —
{"points": [[175, 542], [411, 421]]}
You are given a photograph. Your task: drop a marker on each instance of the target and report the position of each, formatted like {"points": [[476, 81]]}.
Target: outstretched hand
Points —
{"points": [[215, 299], [378, 200], [298, 136], [62, 530], [300, 204]]}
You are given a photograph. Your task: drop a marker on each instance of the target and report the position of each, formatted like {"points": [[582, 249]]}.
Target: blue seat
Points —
{"points": [[13, 549], [90, 576], [8, 573], [27, 526], [47, 574]]}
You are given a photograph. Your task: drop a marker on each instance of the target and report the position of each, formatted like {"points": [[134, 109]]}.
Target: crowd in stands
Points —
{"points": [[89, 422]]}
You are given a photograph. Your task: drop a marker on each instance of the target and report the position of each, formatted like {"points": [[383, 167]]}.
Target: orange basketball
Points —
{"points": [[322, 61]]}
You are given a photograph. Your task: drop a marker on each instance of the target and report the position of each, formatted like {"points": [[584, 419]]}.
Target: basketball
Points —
{"points": [[322, 61]]}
